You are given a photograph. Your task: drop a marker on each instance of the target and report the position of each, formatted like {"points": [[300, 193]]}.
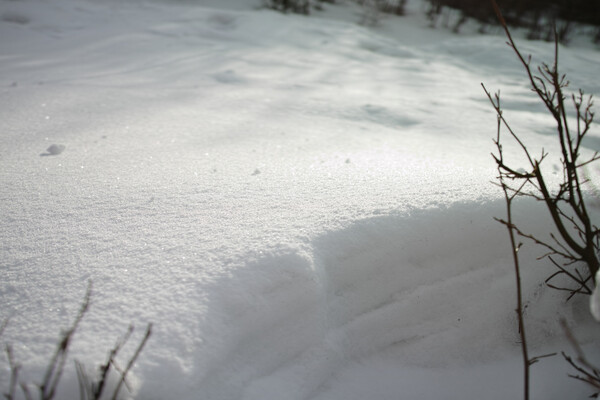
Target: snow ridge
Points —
{"points": [[385, 284]]}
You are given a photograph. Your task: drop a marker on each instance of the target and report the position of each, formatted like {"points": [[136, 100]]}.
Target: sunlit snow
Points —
{"points": [[302, 206]]}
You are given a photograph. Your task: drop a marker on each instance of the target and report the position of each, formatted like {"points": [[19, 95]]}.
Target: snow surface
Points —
{"points": [[595, 301], [301, 206]]}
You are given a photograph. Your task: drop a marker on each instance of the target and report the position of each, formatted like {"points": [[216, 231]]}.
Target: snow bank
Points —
{"points": [[434, 289]]}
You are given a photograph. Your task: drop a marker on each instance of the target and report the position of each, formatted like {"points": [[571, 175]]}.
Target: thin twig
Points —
{"points": [[132, 361], [57, 363], [591, 374], [14, 373]]}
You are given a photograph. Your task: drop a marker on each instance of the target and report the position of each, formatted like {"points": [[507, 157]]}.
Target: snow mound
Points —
{"points": [[286, 321]]}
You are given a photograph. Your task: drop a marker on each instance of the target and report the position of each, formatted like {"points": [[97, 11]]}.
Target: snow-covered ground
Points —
{"points": [[301, 206]]}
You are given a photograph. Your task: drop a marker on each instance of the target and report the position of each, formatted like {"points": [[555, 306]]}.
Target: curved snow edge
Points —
{"points": [[433, 287]]}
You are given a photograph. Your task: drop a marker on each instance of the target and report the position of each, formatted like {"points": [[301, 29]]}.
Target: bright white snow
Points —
{"points": [[301, 206]]}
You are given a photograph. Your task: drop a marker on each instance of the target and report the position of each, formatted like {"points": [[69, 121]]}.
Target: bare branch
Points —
{"points": [[132, 361], [590, 374], [14, 373], [57, 363]]}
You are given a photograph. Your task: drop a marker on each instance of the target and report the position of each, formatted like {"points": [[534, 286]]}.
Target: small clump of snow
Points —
{"points": [[55, 149]]}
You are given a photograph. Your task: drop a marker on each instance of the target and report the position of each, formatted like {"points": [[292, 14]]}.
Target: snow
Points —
{"points": [[54, 149], [302, 207], [595, 301]]}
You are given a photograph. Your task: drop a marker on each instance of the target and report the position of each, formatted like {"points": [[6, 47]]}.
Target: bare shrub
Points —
{"points": [[534, 15], [396, 7], [577, 241], [372, 10], [295, 6]]}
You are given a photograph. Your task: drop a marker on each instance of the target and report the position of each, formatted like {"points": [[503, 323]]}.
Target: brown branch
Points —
{"points": [[14, 373], [132, 361], [57, 363], [591, 374]]}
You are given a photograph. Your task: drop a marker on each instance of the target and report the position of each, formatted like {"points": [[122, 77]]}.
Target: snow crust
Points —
{"points": [[301, 206]]}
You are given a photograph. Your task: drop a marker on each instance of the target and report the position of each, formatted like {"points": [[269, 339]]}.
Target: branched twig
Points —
{"points": [[578, 237], [509, 196], [132, 360], [589, 373], [538, 358], [582, 282], [104, 369], [92, 390]]}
